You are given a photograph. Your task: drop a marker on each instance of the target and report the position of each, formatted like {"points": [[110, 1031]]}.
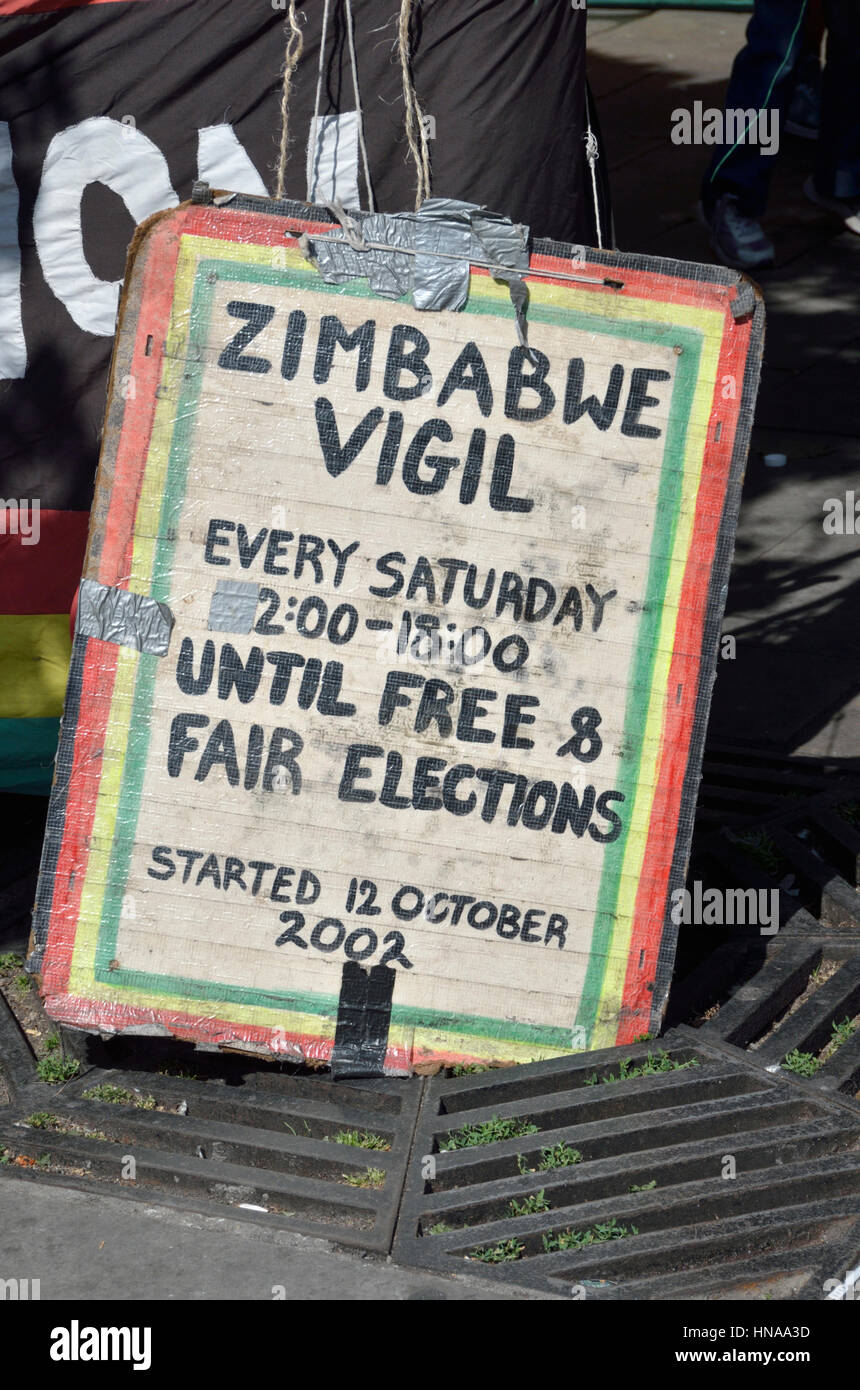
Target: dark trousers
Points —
{"points": [[763, 77]]}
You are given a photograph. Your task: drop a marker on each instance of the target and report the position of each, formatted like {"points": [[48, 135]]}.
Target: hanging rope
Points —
{"points": [[350, 33], [295, 44], [313, 143], [592, 154], [416, 133]]}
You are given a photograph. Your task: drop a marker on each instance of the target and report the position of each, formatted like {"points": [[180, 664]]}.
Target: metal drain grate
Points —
{"points": [[246, 1139], [237, 1132], [740, 785], [788, 990], [795, 1004], [677, 1136], [801, 857]]}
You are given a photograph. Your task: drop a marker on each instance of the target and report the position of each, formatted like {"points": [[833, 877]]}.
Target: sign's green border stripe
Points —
{"points": [[209, 272], [668, 500]]}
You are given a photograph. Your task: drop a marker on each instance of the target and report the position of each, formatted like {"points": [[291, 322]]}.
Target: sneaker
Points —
{"points": [[848, 209], [738, 240], [803, 117]]}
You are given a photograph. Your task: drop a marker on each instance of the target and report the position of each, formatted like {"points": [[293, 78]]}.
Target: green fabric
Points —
{"points": [[27, 751]]}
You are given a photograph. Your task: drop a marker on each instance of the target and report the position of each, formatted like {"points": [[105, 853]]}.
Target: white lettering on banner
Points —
{"points": [[223, 163], [97, 150], [13, 349]]}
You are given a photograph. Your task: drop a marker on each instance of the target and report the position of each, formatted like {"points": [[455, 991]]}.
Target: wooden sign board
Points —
{"points": [[414, 775]]}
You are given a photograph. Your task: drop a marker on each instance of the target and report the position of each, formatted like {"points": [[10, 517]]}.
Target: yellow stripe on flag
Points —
{"points": [[35, 649]]}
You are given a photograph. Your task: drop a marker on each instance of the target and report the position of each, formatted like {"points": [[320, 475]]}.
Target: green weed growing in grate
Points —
{"points": [[654, 1065], [491, 1131], [578, 1240], [497, 1254]]}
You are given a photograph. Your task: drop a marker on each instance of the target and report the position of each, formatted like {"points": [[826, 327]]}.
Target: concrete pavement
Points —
{"points": [[86, 1246]]}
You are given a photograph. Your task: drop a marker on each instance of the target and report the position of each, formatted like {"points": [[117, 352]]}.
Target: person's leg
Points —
{"points": [[837, 172], [761, 79], [813, 29], [803, 115]]}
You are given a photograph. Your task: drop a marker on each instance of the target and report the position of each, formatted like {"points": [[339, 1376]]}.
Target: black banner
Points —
{"points": [[110, 112]]}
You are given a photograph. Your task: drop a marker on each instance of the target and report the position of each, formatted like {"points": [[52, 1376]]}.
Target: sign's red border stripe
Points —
{"points": [[139, 416], [684, 673], [116, 1016], [97, 684], [99, 666]]}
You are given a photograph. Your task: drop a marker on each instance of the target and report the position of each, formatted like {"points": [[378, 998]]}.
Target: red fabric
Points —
{"points": [[43, 578], [40, 6]]}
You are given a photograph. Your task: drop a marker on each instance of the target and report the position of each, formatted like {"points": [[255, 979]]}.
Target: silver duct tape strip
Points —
{"points": [[506, 243], [233, 606], [503, 241], [519, 292], [455, 231], [129, 620], [389, 274], [442, 224], [744, 302]]}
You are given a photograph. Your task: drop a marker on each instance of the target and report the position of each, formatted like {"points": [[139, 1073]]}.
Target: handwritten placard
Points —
{"points": [[415, 778]]}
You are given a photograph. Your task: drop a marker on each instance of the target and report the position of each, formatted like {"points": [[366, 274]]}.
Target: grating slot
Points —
{"points": [[312, 1118], [784, 1233], [606, 1102], [547, 1078], [780, 1276], [838, 903], [624, 1262], [810, 1027], [263, 1082], [742, 870], [842, 1070], [758, 1004], [839, 843], [705, 1120]]}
